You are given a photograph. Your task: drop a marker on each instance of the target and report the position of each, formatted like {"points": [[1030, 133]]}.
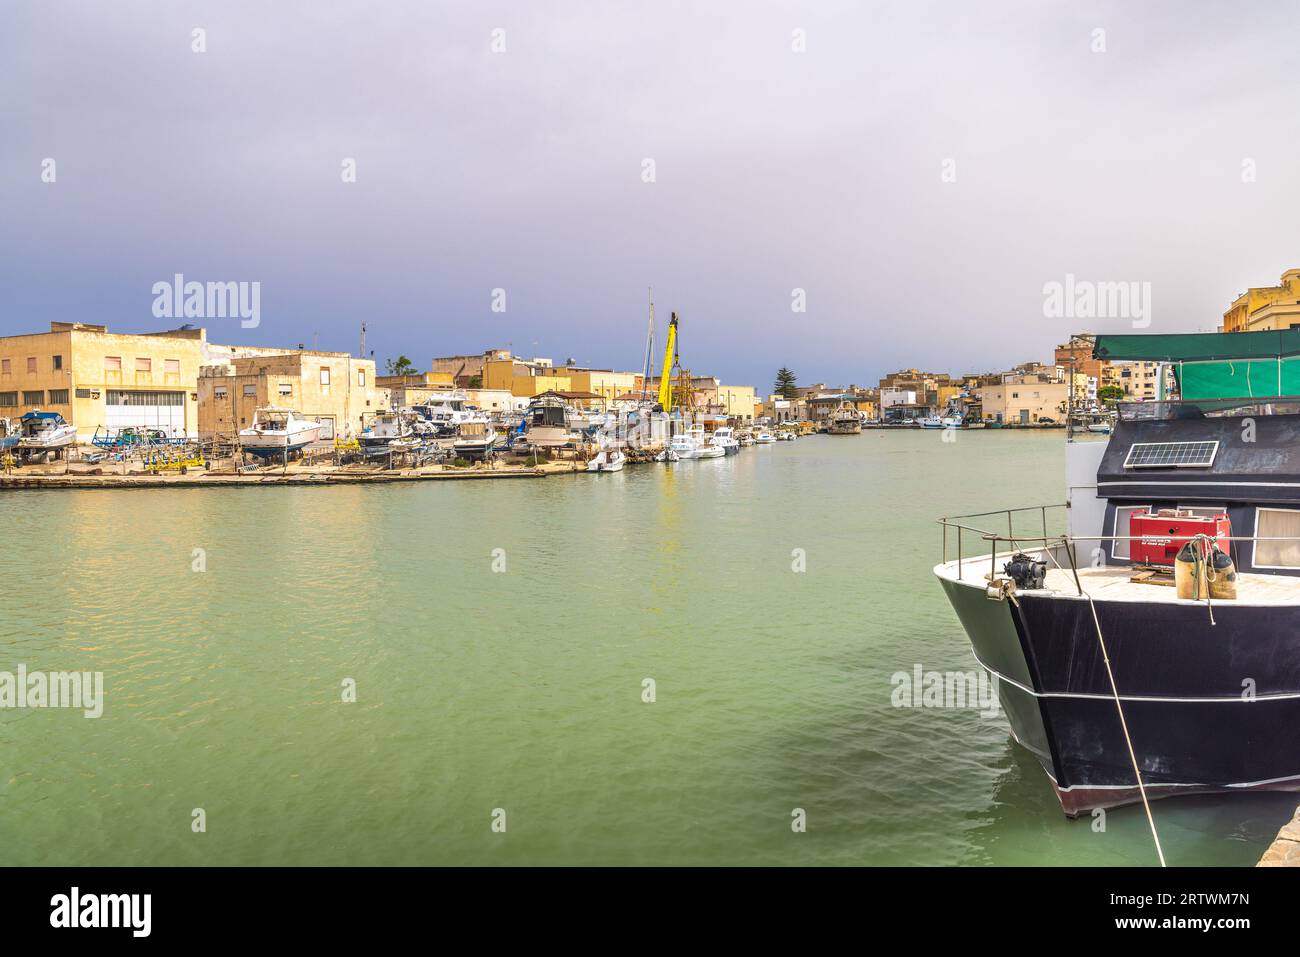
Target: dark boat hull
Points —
{"points": [[1209, 708]]}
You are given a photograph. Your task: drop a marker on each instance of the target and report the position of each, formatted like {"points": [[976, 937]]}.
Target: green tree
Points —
{"points": [[1110, 393], [785, 383], [475, 382], [400, 366]]}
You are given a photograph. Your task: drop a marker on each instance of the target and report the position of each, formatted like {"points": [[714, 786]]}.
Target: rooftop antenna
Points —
{"points": [[362, 353]]}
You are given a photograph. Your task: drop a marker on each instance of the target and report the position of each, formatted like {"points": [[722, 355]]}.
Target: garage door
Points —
{"points": [[153, 410]]}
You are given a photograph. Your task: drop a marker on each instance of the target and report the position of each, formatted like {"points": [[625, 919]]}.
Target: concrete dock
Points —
{"points": [[292, 476]]}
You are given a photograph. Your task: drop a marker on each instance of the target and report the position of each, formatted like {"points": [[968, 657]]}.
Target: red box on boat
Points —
{"points": [[1164, 532]]}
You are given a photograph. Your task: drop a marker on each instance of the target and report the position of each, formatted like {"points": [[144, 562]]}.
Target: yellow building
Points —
{"points": [[331, 387], [97, 379], [1024, 400], [738, 401], [606, 383], [1266, 307], [522, 378]]}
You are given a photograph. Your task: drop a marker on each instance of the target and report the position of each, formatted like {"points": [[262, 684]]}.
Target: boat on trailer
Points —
{"points": [[277, 432], [44, 432], [1123, 681]]}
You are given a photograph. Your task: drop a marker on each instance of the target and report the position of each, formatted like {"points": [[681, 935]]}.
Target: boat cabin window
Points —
{"points": [[1277, 523], [1119, 547]]}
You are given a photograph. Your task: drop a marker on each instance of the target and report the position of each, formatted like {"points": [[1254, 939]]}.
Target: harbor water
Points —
{"points": [[502, 638]]}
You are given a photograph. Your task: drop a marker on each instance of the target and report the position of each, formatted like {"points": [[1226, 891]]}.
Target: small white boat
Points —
{"points": [[277, 431], [475, 441], [764, 437], [45, 432], [745, 438], [682, 447], [9, 434], [786, 435], [725, 437], [390, 432], [710, 452], [607, 460]]}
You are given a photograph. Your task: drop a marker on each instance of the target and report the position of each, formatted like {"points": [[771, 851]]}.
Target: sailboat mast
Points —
{"points": [[648, 366]]}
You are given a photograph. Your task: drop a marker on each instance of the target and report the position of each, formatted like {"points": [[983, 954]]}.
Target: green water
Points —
{"points": [[522, 689]]}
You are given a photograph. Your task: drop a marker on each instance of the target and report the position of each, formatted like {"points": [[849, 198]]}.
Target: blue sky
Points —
{"points": [[523, 170]]}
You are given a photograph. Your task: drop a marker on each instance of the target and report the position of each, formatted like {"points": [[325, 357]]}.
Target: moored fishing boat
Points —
{"points": [[845, 420], [274, 432], [1123, 686]]}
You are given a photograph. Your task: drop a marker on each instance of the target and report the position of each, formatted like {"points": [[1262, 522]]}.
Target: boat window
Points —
{"points": [[1119, 547], [1277, 523]]}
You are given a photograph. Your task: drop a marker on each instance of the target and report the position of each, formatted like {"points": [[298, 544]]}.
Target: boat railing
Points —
{"points": [[957, 524]]}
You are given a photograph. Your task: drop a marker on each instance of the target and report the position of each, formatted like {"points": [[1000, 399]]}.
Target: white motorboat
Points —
{"points": [[607, 460], [548, 423], [9, 434], [445, 413], [745, 437], [710, 452], [45, 432], [764, 437], [389, 432], [475, 441], [683, 447], [277, 431], [725, 437]]}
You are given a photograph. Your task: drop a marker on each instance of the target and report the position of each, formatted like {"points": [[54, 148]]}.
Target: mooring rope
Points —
{"points": [[1119, 707]]}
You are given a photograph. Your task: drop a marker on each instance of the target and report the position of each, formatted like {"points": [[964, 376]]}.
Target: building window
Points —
{"points": [[31, 363], [58, 363], [112, 363], [286, 388], [58, 397], [361, 377], [36, 397], [1277, 523], [143, 365], [172, 366], [8, 399], [5, 368], [250, 390], [324, 375], [219, 392]]}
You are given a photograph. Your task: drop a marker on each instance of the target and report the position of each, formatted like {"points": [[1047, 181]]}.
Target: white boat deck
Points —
{"points": [[1112, 583]]}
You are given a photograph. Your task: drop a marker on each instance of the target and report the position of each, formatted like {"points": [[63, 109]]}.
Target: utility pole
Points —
{"points": [[362, 353]]}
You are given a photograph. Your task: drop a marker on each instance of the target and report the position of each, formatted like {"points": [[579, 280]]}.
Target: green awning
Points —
{"points": [[1194, 346], [1217, 365]]}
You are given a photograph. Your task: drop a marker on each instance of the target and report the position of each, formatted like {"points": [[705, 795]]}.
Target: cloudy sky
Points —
{"points": [[919, 170]]}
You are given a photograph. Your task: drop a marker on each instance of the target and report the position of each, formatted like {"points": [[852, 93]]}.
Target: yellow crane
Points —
{"points": [[666, 370]]}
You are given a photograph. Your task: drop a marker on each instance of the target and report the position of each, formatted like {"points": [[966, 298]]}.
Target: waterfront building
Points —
{"points": [[1266, 307], [333, 388], [1024, 399], [468, 371], [98, 379], [405, 391]]}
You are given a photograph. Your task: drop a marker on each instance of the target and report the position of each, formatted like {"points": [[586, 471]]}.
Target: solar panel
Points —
{"points": [[1171, 455]]}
